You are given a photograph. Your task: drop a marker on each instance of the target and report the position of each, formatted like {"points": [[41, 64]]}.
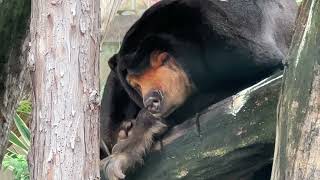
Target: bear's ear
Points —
{"points": [[158, 58], [113, 62]]}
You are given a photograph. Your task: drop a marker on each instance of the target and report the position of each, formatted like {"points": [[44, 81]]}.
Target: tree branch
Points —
{"points": [[298, 126]]}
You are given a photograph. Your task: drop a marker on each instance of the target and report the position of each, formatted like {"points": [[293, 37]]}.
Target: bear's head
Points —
{"points": [[160, 73], [162, 83]]}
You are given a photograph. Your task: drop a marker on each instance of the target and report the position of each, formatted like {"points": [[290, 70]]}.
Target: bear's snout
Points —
{"points": [[153, 101]]}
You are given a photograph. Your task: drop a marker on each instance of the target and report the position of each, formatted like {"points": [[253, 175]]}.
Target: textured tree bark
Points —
{"points": [[64, 58], [14, 77], [298, 127]]}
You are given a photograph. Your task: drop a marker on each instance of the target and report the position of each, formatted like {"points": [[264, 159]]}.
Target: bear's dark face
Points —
{"points": [[163, 85]]}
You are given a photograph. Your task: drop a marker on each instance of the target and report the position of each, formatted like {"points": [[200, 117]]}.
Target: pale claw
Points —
{"points": [[114, 165]]}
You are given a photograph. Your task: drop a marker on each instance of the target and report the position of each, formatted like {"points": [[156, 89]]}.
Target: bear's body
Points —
{"points": [[221, 46]]}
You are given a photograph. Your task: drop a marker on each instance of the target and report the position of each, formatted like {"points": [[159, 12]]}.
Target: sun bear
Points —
{"points": [[180, 57]]}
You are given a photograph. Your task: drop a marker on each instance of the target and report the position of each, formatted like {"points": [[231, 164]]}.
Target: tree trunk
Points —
{"points": [[298, 128], [64, 58], [14, 77]]}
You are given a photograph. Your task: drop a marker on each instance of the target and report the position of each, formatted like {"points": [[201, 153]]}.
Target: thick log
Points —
{"points": [[298, 127], [14, 77], [232, 139]]}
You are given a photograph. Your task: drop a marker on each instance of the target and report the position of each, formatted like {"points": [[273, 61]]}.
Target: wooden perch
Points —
{"points": [[234, 140]]}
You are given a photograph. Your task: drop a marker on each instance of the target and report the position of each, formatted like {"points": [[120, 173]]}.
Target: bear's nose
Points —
{"points": [[152, 102]]}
